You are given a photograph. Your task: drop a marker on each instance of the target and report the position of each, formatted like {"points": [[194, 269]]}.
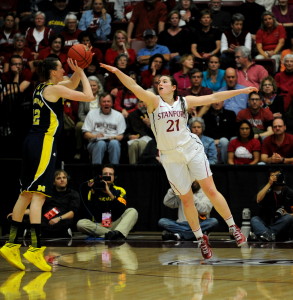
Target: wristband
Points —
{"points": [[60, 218]]}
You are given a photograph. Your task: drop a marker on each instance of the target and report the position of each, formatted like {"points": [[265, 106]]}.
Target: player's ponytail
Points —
{"points": [[45, 66]]}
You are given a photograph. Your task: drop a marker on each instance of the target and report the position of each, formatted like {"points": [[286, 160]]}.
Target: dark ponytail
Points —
{"points": [[45, 66]]}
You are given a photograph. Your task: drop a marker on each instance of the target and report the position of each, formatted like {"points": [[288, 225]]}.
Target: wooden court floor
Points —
{"points": [[148, 268]]}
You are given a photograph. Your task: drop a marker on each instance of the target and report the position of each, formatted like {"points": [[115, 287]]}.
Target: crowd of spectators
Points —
{"points": [[207, 47]]}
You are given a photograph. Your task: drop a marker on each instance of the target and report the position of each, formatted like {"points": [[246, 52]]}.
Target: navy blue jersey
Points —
{"points": [[47, 116], [39, 148]]}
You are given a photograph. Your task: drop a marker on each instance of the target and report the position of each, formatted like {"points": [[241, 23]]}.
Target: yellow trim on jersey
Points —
{"points": [[26, 191], [45, 156]]}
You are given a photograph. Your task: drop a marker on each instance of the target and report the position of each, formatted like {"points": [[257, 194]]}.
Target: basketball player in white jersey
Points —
{"points": [[181, 152]]}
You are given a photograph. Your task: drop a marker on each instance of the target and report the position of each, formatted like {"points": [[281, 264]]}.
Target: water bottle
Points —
{"points": [[246, 228]]}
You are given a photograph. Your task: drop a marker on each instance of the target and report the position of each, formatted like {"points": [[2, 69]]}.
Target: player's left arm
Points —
{"points": [[217, 97]]}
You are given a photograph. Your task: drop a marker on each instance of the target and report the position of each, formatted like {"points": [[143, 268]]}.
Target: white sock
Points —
{"points": [[178, 236], [198, 233], [230, 221]]}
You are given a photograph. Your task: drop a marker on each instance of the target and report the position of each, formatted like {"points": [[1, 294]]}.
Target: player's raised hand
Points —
{"points": [[109, 68], [250, 89], [73, 65]]}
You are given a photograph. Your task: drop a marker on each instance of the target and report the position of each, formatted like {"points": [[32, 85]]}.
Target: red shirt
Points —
{"points": [[284, 82], [253, 75], [259, 121], [243, 151], [112, 54], [70, 38], [145, 18], [269, 146], [26, 56], [270, 39], [25, 75], [62, 56], [125, 100], [147, 78], [71, 109], [98, 56]]}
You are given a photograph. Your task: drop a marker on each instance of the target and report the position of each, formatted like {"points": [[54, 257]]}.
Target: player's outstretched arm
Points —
{"points": [[217, 97], [148, 97]]}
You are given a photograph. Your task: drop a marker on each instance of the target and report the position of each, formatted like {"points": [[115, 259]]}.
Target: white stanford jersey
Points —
{"points": [[169, 125]]}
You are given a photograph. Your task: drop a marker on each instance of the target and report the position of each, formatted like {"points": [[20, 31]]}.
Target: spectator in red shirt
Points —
{"points": [[157, 66], [270, 38], [6, 34], [278, 148], [284, 80], [56, 47], [120, 45], [37, 37], [260, 118], [147, 14], [245, 149], [87, 39], [20, 48], [248, 73], [70, 31], [126, 101], [182, 76], [112, 83], [17, 74]]}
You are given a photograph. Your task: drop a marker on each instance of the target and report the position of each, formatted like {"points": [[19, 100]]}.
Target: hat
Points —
{"points": [[149, 32]]}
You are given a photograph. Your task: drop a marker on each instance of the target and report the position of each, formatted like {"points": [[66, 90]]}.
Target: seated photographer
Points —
{"points": [[275, 200], [58, 212], [180, 229], [107, 204]]}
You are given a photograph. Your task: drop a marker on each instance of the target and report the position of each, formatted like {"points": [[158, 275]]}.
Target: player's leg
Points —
{"points": [[221, 206]]}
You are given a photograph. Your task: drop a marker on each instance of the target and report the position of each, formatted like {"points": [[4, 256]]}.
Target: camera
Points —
{"points": [[280, 212], [280, 179], [99, 182]]}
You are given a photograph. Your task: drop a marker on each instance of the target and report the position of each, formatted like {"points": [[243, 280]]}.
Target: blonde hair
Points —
{"points": [[115, 45]]}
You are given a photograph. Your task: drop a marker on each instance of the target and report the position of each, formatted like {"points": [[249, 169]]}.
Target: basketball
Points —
{"points": [[82, 54]]}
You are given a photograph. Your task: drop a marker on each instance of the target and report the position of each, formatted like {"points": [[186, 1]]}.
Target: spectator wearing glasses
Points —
{"points": [[17, 74], [270, 97], [248, 73], [260, 118], [278, 148]]}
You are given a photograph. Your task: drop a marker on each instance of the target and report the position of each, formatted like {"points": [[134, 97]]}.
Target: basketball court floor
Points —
{"points": [[144, 267]]}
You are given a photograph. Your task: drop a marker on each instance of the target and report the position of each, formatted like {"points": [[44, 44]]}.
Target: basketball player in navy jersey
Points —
{"points": [[39, 155], [181, 152]]}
